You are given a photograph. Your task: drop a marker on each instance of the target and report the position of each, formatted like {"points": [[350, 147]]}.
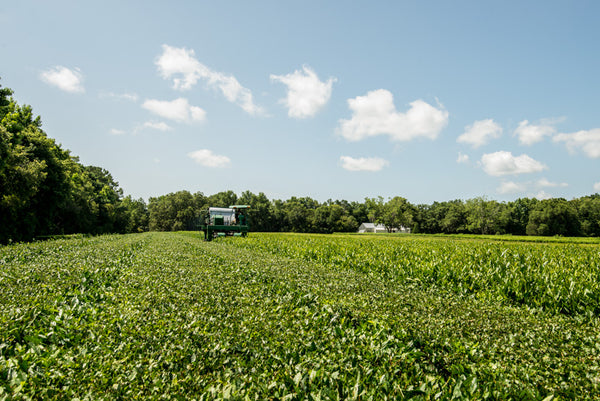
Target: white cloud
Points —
{"points": [[529, 133], [181, 65], [544, 183], [587, 141], [462, 158], [207, 158], [542, 195], [306, 94], [375, 114], [504, 163], [64, 78], [115, 131], [480, 133], [132, 97], [510, 187], [177, 110], [363, 163], [160, 126], [597, 187]]}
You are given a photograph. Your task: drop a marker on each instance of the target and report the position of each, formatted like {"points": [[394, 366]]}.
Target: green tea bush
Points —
{"points": [[560, 278], [284, 317]]}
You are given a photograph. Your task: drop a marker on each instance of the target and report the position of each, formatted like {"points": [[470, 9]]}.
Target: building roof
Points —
{"points": [[372, 225]]}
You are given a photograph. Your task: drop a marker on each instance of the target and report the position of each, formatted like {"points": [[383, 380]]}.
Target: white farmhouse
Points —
{"points": [[379, 228], [372, 228]]}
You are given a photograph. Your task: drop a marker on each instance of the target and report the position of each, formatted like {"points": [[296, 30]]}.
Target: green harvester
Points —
{"points": [[222, 221]]}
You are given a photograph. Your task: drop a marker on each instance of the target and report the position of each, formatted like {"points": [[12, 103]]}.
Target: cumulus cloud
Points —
{"points": [[160, 126], [462, 158], [363, 163], [510, 187], [544, 183], [375, 114], [181, 65], [207, 158], [597, 187], [64, 78], [529, 134], [504, 163], [177, 110], [115, 131], [306, 94], [586, 141], [480, 133]]}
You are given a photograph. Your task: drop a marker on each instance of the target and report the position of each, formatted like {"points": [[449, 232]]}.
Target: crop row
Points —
{"points": [[560, 278], [168, 316]]}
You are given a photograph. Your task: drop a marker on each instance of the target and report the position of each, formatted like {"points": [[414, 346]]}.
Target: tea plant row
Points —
{"points": [[556, 277], [168, 316]]}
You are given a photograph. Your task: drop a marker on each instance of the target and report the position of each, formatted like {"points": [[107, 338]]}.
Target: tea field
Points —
{"points": [[299, 317]]}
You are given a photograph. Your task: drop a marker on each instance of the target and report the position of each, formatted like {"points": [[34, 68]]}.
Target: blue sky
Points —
{"points": [[429, 100]]}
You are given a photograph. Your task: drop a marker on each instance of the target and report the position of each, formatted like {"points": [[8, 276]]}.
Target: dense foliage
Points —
{"points": [[524, 216], [291, 316], [44, 190]]}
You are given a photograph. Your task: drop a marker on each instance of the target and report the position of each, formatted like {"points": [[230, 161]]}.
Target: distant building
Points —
{"points": [[372, 228], [380, 228]]}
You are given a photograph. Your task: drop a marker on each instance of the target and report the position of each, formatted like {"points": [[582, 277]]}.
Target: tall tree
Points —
{"points": [[222, 199], [172, 212], [553, 217], [483, 215], [455, 218], [34, 175], [136, 214], [396, 214], [260, 215], [588, 214]]}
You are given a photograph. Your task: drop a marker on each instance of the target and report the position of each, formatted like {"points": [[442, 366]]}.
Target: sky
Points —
{"points": [[428, 100]]}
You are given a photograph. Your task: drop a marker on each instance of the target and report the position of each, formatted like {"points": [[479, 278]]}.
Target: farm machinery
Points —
{"points": [[223, 221]]}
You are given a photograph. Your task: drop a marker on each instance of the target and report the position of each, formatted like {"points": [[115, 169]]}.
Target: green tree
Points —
{"points": [[455, 218], [222, 199], [397, 213], [428, 218], [518, 215], [359, 212], [105, 199], [136, 213], [321, 218], [299, 213], [43, 189], [172, 212], [484, 216], [260, 215], [588, 214], [374, 208], [553, 217], [34, 175]]}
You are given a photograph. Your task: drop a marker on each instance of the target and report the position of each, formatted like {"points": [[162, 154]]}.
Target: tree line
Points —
{"points": [[524, 216], [44, 190]]}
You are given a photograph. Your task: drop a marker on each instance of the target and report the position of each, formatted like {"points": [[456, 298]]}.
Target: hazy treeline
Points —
{"points": [[44, 190]]}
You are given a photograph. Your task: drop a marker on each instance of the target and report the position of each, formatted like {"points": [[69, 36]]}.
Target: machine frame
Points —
{"points": [[220, 222]]}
